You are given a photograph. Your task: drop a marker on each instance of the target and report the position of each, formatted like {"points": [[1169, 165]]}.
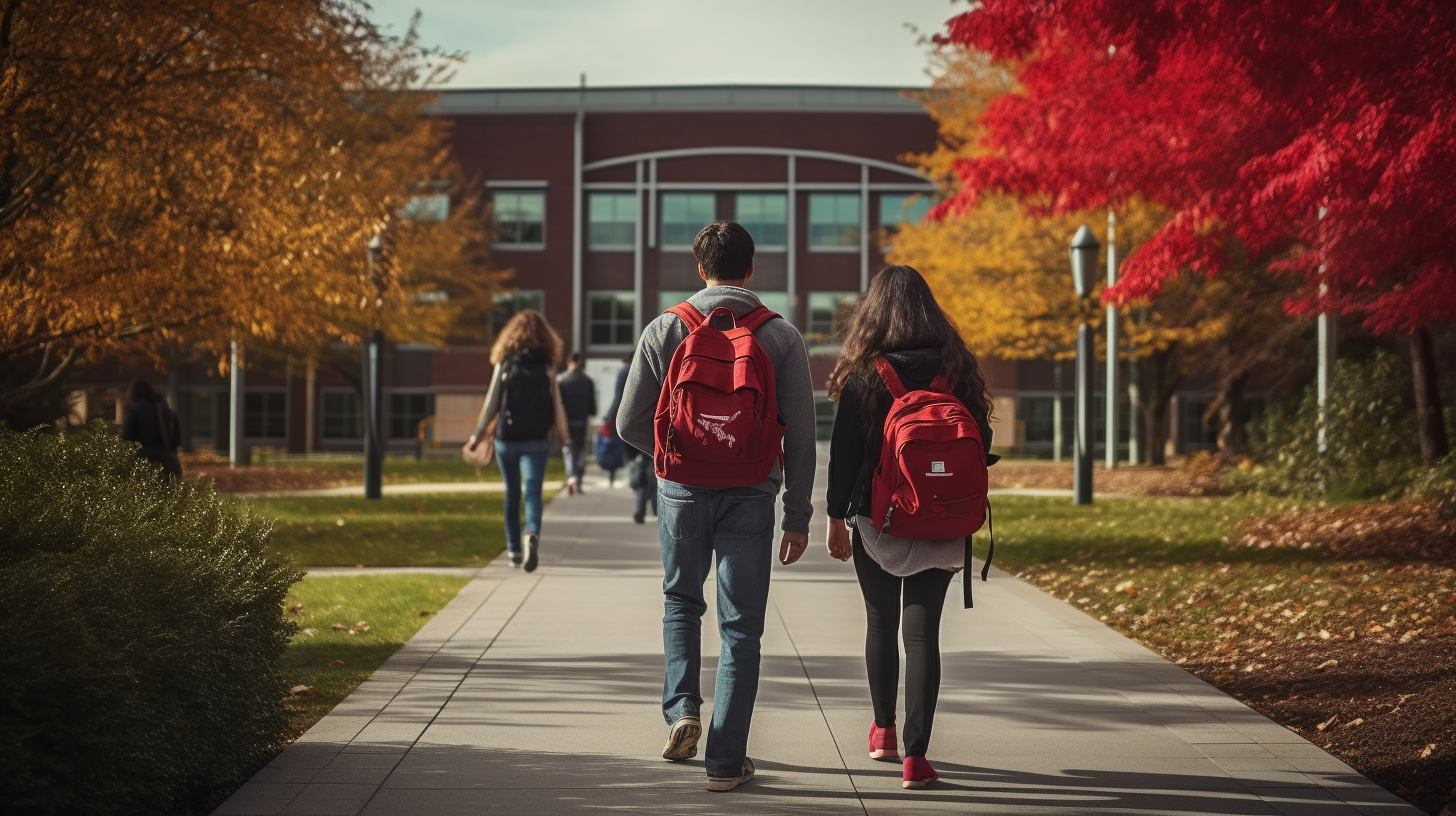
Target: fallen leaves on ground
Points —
{"points": [[1193, 476], [1407, 532]]}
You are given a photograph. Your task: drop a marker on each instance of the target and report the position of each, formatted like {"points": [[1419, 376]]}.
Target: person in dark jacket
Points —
{"points": [[905, 579], [153, 424], [612, 452], [579, 398]]}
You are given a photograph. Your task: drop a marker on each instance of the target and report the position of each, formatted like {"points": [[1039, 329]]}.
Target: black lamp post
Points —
{"points": [[373, 381], [1084, 262]]}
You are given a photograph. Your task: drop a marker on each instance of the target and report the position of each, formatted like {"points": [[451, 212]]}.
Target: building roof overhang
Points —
{"points": [[675, 98]]}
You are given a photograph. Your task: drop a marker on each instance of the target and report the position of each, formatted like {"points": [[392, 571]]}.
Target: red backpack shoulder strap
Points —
{"points": [[941, 385], [755, 318], [892, 380], [689, 314]]}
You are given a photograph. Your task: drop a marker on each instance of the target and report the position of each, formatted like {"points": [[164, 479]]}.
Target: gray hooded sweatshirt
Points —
{"points": [[794, 392]]}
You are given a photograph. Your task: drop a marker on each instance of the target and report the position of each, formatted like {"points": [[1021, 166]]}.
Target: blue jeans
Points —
{"points": [[735, 527], [522, 460]]}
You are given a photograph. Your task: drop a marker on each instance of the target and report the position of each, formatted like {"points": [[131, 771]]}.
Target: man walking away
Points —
{"points": [[579, 397], [711, 511]]}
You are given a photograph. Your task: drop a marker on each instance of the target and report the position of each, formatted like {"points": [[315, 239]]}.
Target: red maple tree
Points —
{"points": [[1318, 135]]}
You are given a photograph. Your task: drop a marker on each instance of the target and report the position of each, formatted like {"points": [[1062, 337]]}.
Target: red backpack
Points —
{"points": [[717, 421], [932, 480]]}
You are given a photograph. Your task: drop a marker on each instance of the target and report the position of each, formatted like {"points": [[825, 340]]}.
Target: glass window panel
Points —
{"points": [[765, 216], [263, 415], [833, 220], [406, 411], [670, 298], [342, 417], [434, 207], [829, 312], [204, 413], [612, 220], [507, 304], [520, 217], [684, 214], [900, 209], [612, 322]]}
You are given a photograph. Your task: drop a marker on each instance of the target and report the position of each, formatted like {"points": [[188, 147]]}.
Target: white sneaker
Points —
{"points": [[728, 783]]}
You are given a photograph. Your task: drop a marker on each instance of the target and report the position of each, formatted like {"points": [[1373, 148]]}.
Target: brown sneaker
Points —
{"points": [[682, 739], [728, 783]]}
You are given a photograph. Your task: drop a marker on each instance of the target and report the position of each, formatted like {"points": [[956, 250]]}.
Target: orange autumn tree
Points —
{"points": [[203, 171]]}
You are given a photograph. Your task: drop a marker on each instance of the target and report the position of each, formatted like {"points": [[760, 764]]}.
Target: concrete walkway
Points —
{"points": [[538, 694]]}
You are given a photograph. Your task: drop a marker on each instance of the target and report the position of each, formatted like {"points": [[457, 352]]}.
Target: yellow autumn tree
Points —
{"points": [[201, 171]]}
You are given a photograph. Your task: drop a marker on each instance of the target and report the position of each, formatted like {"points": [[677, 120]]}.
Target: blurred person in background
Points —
{"points": [[150, 422], [579, 398]]}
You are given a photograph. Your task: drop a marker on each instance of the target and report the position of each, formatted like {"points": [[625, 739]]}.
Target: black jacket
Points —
{"points": [[140, 425], [854, 452]]}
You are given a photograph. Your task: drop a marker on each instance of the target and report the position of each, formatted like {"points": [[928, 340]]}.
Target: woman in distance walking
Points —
{"points": [[902, 580], [153, 424], [524, 407]]}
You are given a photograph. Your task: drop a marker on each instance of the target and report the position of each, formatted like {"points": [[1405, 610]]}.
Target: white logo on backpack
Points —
{"points": [[938, 469], [713, 424]]}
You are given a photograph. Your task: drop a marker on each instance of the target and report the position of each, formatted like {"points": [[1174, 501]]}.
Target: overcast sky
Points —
{"points": [[524, 43]]}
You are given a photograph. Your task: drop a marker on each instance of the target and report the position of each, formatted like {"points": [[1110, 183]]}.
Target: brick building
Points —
{"points": [[597, 194]]}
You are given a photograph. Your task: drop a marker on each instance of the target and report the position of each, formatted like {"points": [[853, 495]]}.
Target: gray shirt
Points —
{"points": [[794, 391]]}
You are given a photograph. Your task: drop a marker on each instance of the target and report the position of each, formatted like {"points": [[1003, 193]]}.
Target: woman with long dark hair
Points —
{"points": [[905, 580], [150, 422], [524, 406]]}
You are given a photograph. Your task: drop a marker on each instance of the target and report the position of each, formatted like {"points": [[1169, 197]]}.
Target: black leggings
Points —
{"points": [[920, 605]]}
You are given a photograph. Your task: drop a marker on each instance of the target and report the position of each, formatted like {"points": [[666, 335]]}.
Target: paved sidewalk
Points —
{"points": [[410, 489], [539, 694]]}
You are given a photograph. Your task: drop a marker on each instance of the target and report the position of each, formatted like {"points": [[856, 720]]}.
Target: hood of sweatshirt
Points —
{"points": [[741, 301], [916, 366]]}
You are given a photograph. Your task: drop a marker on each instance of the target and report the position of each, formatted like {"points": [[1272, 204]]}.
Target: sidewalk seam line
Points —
{"points": [[456, 689], [848, 774]]}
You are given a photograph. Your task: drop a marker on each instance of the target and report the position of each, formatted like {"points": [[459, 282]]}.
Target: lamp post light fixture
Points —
{"points": [[373, 381], [1084, 261]]}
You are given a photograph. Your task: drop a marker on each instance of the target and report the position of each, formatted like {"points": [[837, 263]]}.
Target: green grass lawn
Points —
{"points": [[348, 626], [408, 470], [428, 530]]}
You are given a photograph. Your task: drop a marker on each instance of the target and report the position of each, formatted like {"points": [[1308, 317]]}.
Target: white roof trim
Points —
{"points": [[690, 152]]}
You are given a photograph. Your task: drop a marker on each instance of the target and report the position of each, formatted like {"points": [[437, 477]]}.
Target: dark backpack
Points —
{"points": [[527, 410]]}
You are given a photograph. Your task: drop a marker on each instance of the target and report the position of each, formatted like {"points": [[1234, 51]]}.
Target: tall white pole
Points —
{"points": [[1325, 363], [577, 236], [1110, 387], [235, 405]]}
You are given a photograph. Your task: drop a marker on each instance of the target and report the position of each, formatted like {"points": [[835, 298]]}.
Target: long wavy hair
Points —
{"points": [[899, 313], [527, 331]]}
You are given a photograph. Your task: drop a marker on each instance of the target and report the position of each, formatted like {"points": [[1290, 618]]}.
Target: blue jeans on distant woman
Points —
{"points": [[522, 463]]}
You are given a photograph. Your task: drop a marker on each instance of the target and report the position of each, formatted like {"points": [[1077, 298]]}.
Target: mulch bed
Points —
{"points": [[1385, 708], [1194, 476], [257, 478], [1383, 703]]}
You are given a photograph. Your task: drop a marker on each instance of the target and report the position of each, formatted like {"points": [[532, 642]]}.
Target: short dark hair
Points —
{"points": [[725, 250], [575, 358]]}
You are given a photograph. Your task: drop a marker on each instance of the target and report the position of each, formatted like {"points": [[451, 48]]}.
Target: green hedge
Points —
{"points": [[1371, 443], [142, 623]]}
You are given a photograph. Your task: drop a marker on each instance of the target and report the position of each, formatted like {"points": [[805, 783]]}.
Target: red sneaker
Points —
{"points": [[882, 742], [918, 773]]}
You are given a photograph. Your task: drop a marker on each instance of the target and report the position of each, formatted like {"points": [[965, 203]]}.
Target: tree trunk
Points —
{"points": [[1160, 378], [1233, 414], [1155, 417], [1429, 415]]}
